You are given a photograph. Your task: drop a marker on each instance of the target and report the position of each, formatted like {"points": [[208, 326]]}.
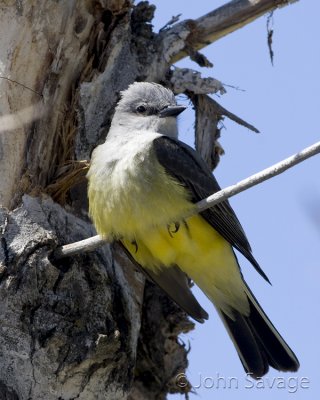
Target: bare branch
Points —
{"points": [[207, 131], [222, 111], [261, 176], [208, 115], [200, 32], [78, 247], [276, 169], [186, 79]]}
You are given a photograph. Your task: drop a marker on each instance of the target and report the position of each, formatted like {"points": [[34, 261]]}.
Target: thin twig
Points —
{"points": [[261, 176], [276, 169], [21, 84], [173, 20], [270, 35], [221, 110]]}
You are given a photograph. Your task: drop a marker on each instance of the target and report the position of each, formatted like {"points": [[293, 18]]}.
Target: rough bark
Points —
{"points": [[68, 330], [87, 327]]}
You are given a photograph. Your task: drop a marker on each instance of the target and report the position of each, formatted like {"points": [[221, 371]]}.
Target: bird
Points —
{"points": [[143, 186]]}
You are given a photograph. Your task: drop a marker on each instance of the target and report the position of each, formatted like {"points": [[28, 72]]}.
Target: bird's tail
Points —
{"points": [[258, 343]]}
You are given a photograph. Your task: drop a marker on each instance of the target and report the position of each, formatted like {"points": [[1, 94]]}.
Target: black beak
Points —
{"points": [[171, 111]]}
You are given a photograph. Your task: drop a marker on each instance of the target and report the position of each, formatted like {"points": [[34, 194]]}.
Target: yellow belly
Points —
{"points": [[201, 252]]}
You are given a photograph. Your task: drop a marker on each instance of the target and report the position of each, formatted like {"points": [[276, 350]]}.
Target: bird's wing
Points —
{"points": [[185, 165], [175, 283]]}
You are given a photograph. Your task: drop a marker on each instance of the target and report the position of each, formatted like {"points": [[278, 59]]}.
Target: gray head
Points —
{"points": [[148, 106]]}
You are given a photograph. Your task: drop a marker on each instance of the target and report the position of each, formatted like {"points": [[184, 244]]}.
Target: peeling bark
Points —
{"points": [[196, 34]]}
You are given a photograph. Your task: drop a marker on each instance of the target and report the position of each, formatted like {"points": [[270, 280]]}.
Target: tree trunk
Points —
{"points": [[87, 327]]}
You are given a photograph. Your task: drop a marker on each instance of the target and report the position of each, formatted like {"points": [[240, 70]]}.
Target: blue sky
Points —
{"points": [[282, 216]]}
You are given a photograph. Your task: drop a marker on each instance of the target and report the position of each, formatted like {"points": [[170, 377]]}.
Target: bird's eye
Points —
{"points": [[141, 109]]}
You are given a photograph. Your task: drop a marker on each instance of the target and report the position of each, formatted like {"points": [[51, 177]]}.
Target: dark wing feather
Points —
{"points": [[185, 164], [175, 283]]}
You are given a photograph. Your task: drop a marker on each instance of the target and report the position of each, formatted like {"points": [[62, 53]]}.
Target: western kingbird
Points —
{"points": [[143, 182]]}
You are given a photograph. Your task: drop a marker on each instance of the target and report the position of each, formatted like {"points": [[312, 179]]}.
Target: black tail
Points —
{"points": [[257, 341]]}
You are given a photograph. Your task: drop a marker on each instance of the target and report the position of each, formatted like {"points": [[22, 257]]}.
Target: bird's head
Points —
{"points": [[148, 107]]}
